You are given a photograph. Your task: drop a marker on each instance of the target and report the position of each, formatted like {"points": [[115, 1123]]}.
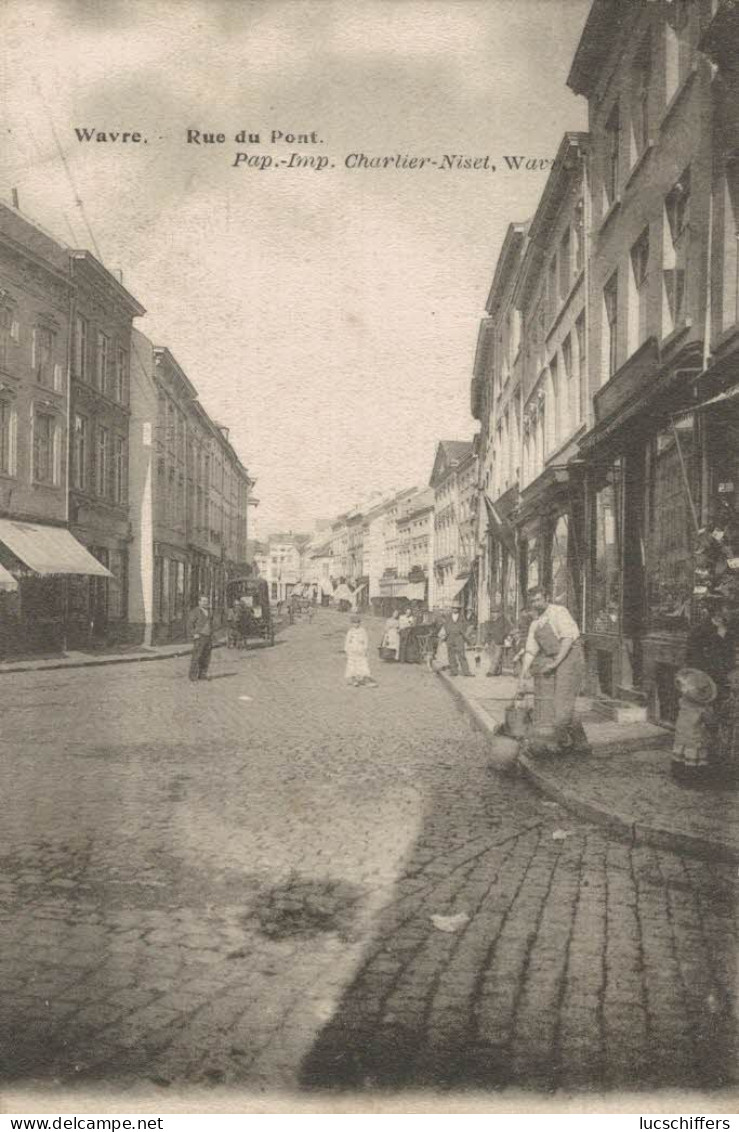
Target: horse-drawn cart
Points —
{"points": [[248, 599]]}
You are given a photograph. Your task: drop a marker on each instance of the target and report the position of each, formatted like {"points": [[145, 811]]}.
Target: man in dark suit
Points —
{"points": [[201, 629], [456, 632]]}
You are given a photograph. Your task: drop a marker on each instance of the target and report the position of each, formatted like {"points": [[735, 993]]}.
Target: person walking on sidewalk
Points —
{"points": [[456, 635], [554, 655], [201, 629]]}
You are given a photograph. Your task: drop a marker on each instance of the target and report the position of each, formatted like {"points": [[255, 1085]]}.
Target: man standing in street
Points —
{"points": [[455, 633], [201, 628], [555, 655]]}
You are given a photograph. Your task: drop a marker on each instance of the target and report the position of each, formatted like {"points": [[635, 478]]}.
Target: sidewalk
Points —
{"points": [[625, 784], [124, 655]]}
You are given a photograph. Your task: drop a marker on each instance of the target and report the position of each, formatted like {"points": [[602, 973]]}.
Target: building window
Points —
{"points": [[556, 414], [610, 303], [8, 433], [565, 266], [581, 362], [101, 362], [571, 410], [730, 314], [179, 589], [641, 83], [45, 448], [102, 466], [638, 311], [121, 377], [579, 236], [81, 339], [119, 470], [674, 470], [9, 335], [612, 149], [79, 453], [606, 600], [47, 371], [561, 584], [117, 585], [675, 251]]}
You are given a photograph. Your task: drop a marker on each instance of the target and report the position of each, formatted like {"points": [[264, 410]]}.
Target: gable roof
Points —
{"points": [[449, 453]]}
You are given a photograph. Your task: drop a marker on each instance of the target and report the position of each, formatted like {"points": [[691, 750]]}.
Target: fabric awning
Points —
{"points": [[462, 586], [49, 550], [8, 584], [500, 527], [727, 395]]}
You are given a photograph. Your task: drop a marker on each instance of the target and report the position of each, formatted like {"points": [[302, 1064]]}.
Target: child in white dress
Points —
{"points": [[356, 647]]}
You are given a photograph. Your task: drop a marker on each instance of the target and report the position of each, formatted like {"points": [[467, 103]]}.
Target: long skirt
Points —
{"points": [[357, 667]]}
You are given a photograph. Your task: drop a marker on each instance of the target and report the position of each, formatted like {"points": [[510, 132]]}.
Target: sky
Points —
{"points": [[327, 316]]}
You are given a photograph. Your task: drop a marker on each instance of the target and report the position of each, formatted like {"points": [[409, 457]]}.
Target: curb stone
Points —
{"points": [[635, 830], [100, 662]]}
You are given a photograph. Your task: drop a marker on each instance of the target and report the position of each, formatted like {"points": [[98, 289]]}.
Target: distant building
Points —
{"points": [[454, 482], [189, 498], [282, 565]]}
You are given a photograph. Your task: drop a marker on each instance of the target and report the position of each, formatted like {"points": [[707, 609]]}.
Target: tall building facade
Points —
{"points": [[43, 565], [102, 318], [656, 170], [189, 499]]}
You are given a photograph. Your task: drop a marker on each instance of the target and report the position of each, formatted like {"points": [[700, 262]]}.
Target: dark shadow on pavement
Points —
{"points": [[554, 963]]}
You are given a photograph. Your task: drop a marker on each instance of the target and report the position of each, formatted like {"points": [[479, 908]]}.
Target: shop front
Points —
{"points": [[550, 523], [172, 588], [646, 490], [47, 566], [501, 556]]}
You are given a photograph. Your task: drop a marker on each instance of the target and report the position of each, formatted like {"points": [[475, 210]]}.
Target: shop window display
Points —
{"points": [[607, 575], [532, 564], [717, 544], [562, 589], [673, 491]]}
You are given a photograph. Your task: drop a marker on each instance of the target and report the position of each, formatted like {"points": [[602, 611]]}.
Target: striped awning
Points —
{"points": [[49, 550]]}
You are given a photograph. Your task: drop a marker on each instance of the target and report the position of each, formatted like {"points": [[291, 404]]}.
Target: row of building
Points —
{"points": [[606, 374], [121, 500], [606, 371]]}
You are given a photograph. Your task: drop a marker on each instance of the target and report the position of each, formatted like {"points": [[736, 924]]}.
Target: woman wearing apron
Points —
{"points": [[554, 655]]}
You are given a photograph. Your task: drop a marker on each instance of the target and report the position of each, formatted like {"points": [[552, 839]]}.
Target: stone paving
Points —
{"points": [[631, 788], [161, 843]]}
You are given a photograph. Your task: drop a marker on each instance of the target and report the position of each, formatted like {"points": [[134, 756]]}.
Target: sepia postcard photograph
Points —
{"points": [[351, 352]]}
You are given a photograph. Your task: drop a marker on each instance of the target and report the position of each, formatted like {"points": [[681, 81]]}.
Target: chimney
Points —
{"points": [[16, 202]]}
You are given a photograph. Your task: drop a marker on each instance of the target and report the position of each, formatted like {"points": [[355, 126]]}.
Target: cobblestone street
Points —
{"points": [[233, 883]]}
